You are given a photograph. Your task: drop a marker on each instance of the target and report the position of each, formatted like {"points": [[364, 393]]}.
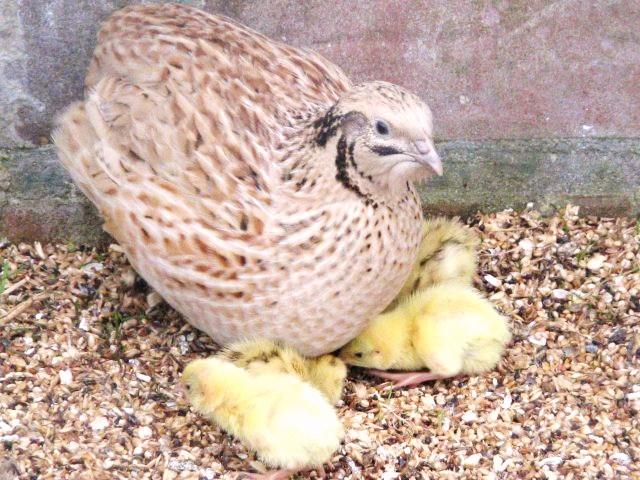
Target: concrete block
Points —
{"points": [[38, 201]]}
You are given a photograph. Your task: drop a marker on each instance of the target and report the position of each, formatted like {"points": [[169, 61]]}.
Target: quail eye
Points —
{"points": [[382, 127]]}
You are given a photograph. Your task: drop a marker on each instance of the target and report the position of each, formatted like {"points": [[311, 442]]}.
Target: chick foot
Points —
{"points": [[406, 379]]}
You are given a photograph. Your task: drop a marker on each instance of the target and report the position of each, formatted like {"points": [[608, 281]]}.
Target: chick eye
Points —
{"points": [[382, 127], [358, 354]]}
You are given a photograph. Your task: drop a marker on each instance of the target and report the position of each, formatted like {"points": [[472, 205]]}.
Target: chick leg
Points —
{"points": [[406, 379]]}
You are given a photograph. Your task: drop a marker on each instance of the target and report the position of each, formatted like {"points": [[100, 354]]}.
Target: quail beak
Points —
{"points": [[427, 156]]}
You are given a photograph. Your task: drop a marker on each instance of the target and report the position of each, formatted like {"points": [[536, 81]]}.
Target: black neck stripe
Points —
{"points": [[327, 126], [344, 154], [385, 150], [352, 161]]}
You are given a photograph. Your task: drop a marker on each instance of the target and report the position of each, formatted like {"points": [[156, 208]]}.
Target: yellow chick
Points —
{"points": [[327, 372], [289, 423], [447, 253], [448, 328]]}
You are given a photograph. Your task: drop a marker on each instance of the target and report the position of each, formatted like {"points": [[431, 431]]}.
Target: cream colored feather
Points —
{"points": [[250, 183]]}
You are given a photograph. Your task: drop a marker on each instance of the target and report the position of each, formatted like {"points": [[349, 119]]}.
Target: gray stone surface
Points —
{"points": [[601, 176], [38, 200]]}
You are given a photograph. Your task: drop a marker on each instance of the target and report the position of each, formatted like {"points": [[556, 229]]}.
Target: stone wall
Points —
{"points": [[533, 100]]}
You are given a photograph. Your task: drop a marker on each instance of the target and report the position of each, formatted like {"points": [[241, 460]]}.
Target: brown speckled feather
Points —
{"points": [[198, 142]]}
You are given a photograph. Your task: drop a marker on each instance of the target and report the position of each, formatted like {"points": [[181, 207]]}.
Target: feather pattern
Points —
{"points": [[222, 163]]}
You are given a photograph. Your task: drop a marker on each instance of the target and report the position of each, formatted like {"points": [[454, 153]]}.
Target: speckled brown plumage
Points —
{"points": [[248, 181]]}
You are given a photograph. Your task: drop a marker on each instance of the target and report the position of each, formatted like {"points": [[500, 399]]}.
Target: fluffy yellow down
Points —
{"points": [[286, 421], [327, 372], [448, 328], [447, 253]]}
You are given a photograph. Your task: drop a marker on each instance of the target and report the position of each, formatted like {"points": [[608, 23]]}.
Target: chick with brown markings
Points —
{"points": [[327, 372], [448, 253]]}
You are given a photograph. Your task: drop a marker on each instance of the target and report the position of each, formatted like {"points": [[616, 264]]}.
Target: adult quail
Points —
{"points": [[257, 189]]}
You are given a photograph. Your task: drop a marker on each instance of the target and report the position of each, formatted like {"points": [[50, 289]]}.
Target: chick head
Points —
{"points": [[448, 253], [385, 138], [327, 374], [370, 350], [201, 379]]}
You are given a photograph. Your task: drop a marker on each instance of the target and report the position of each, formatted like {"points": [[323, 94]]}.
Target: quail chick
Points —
{"points": [[237, 173], [289, 423], [448, 252], [327, 372], [448, 328]]}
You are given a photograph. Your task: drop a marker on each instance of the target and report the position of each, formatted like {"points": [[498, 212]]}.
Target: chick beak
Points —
{"points": [[428, 156], [183, 389]]}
